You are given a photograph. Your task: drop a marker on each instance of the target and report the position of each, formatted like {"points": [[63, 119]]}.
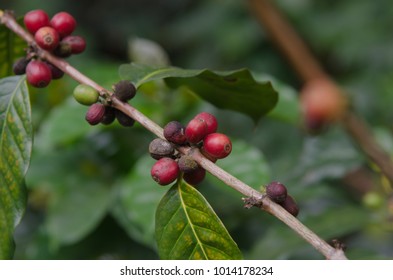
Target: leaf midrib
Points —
{"points": [[199, 242]]}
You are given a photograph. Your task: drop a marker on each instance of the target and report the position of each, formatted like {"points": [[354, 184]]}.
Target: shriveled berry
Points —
{"points": [[38, 74], [47, 38], [19, 67], [165, 171], [56, 72], [160, 148], [124, 90], [210, 120], [195, 177], [276, 192], [187, 164], [63, 50], [95, 113], [217, 145], [174, 132], [77, 44], [35, 19], [64, 23], [109, 116], [290, 205], [124, 119], [85, 94], [195, 130]]}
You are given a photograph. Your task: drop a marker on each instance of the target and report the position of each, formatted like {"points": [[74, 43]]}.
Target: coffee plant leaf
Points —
{"points": [[16, 135], [233, 90], [11, 48], [188, 228]]}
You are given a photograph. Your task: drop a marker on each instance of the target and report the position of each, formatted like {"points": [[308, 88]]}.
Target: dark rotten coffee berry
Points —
{"points": [[276, 192], [174, 132], [124, 90], [160, 148]]}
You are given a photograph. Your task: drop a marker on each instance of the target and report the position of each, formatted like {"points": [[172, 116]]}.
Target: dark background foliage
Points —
{"points": [[89, 194]]}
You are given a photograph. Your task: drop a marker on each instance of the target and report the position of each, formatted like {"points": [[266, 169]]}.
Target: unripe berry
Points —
{"points": [[64, 23], [210, 120], [38, 74], [109, 116], [124, 119], [217, 145], [276, 192], [85, 94], [195, 130], [174, 132], [47, 38], [195, 177], [187, 164], [124, 90], [95, 113], [19, 67], [165, 171], [160, 148], [35, 19], [76, 43], [290, 205], [56, 72]]}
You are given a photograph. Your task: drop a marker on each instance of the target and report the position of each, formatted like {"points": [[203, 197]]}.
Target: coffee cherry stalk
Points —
{"points": [[203, 152]]}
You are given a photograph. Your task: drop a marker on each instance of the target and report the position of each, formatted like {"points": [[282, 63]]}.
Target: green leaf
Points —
{"points": [[234, 90], [136, 201], [11, 48], [188, 228], [64, 125], [288, 106], [15, 150]]}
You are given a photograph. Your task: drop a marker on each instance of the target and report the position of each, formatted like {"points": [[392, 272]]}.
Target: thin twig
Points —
{"points": [[308, 68], [262, 201]]}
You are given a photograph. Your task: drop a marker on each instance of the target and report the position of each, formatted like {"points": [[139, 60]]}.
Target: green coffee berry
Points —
{"points": [[85, 95]]}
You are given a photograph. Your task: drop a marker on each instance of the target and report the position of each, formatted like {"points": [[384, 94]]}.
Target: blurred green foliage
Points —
{"points": [[89, 194]]}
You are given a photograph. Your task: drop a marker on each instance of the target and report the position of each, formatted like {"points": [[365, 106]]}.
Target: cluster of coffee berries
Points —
{"points": [[200, 132], [53, 35], [105, 114], [279, 194]]}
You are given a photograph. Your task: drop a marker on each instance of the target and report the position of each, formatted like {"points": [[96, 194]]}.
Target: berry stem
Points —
{"points": [[258, 199]]}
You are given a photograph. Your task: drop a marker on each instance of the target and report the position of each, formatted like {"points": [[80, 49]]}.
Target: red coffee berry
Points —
{"points": [[195, 177], [290, 205], [159, 148], [217, 145], [64, 23], [165, 171], [77, 44], [47, 38], [95, 113], [276, 192], [19, 67], [56, 72], [196, 130], [38, 73], [174, 132], [210, 120], [124, 90], [35, 19]]}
